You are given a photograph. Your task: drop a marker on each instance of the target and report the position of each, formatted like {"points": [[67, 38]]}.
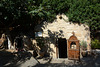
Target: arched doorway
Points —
{"points": [[73, 48]]}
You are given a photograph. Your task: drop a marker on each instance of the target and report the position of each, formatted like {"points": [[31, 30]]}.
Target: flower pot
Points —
{"points": [[84, 53]]}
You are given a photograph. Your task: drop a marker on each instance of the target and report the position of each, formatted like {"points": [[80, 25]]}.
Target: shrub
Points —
{"points": [[95, 44]]}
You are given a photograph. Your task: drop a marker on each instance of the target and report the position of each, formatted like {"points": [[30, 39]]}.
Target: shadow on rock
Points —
{"points": [[8, 59], [5, 58], [89, 61]]}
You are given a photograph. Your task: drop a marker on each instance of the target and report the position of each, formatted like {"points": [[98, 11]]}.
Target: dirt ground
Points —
{"points": [[25, 59]]}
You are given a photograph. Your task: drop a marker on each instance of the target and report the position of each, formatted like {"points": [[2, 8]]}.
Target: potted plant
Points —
{"points": [[83, 47]]}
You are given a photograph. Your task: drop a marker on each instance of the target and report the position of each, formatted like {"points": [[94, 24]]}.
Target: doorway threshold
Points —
{"points": [[61, 60]]}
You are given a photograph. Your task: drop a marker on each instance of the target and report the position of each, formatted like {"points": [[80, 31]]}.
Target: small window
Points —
{"points": [[38, 34], [73, 45]]}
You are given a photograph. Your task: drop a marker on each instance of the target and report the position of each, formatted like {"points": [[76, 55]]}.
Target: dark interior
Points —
{"points": [[62, 47]]}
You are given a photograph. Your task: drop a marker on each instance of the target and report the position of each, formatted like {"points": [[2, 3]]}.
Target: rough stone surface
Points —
{"points": [[29, 63], [62, 28], [92, 60]]}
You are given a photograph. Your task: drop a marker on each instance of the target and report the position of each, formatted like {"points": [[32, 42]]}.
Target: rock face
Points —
{"points": [[29, 63], [62, 28]]}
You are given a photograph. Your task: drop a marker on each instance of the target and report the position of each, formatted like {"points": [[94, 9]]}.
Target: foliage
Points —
{"points": [[85, 11], [83, 45], [78, 10], [26, 12], [95, 44], [15, 12]]}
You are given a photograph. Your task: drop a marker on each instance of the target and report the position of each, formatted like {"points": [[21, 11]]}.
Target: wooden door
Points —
{"points": [[73, 53], [73, 48]]}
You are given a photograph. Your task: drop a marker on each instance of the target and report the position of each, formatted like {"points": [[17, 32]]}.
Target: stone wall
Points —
{"points": [[62, 28]]}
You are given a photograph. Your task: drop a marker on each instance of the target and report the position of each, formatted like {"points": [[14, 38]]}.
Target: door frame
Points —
{"points": [[57, 48]]}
